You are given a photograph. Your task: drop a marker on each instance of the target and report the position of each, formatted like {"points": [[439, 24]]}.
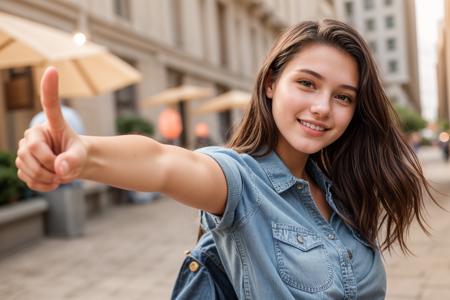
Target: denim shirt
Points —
{"points": [[275, 244]]}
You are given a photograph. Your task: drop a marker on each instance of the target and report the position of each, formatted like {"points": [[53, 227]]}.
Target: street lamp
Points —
{"points": [[80, 37]]}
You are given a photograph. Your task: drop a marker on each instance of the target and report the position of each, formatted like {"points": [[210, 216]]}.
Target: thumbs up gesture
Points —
{"points": [[51, 153]]}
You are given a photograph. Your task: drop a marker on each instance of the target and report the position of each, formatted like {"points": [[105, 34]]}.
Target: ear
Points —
{"points": [[270, 86]]}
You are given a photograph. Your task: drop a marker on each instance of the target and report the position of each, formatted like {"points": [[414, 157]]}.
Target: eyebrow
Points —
{"points": [[318, 76]]}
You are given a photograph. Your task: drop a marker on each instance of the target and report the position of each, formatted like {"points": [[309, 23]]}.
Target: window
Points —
{"points": [[18, 88], [349, 8], [126, 100], [204, 31], [254, 48], [393, 66], [177, 23], [370, 24], [389, 20], [368, 4], [174, 79], [391, 44], [122, 9], [373, 46], [225, 117], [222, 26], [238, 35], [126, 97]]}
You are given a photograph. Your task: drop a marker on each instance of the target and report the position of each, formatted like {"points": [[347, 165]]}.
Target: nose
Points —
{"points": [[321, 106]]}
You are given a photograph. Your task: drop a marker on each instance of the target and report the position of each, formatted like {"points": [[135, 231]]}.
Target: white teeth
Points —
{"points": [[312, 126]]}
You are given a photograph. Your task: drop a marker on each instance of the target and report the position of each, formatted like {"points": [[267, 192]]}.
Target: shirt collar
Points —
{"points": [[279, 175], [282, 179]]}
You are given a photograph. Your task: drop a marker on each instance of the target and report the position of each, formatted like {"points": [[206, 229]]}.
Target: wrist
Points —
{"points": [[87, 166]]}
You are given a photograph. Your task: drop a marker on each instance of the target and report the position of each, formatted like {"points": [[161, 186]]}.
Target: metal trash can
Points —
{"points": [[66, 213]]}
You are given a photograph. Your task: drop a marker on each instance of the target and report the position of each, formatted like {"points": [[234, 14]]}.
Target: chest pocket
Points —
{"points": [[302, 260]]}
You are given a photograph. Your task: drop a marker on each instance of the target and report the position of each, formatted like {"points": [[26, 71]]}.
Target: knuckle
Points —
{"points": [[32, 185], [34, 146], [20, 143], [38, 173], [35, 174], [18, 162], [20, 175], [21, 153]]}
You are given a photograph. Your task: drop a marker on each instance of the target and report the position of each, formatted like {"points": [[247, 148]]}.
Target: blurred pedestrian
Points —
{"points": [[295, 205], [444, 141], [445, 150]]}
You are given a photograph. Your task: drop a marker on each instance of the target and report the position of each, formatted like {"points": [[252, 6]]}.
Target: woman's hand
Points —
{"points": [[52, 153]]}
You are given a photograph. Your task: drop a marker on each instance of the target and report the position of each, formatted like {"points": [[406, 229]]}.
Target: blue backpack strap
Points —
{"points": [[202, 275]]}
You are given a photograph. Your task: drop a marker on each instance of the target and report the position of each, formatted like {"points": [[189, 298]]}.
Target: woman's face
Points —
{"points": [[314, 98]]}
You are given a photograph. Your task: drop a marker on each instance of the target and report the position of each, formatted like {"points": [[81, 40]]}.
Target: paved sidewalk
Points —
{"points": [[133, 252], [427, 274]]}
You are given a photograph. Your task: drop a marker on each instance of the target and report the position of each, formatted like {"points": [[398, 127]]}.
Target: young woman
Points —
{"points": [[316, 181]]}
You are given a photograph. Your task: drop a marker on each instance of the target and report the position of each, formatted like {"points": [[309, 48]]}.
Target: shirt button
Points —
{"points": [[193, 266], [300, 239], [331, 236], [350, 255], [299, 186]]}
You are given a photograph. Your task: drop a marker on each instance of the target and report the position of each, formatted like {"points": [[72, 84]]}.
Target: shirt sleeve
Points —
{"points": [[231, 165]]}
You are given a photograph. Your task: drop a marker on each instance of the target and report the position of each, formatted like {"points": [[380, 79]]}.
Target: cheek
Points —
{"points": [[343, 119], [287, 101]]}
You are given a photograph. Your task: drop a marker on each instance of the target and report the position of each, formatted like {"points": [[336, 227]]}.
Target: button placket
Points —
{"points": [[350, 254]]}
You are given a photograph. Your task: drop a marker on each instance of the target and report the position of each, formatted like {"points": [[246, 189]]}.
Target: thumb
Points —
{"points": [[49, 99], [66, 164]]}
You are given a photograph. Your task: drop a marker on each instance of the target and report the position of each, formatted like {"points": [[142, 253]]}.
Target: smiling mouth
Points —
{"points": [[312, 126]]}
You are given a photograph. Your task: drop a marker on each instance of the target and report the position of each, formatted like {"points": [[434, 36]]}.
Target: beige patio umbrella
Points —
{"points": [[177, 94], [226, 101], [86, 70]]}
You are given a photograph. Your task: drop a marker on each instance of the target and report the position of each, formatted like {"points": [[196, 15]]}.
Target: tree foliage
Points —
{"points": [[134, 124], [410, 120]]}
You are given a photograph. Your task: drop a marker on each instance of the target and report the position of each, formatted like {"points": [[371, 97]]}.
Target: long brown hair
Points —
{"points": [[377, 178]]}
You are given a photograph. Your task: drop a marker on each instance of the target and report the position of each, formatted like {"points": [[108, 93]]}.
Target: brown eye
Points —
{"points": [[344, 98], [306, 83]]}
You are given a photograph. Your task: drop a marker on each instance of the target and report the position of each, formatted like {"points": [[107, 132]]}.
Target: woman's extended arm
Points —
{"points": [[53, 153], [140, 163]]}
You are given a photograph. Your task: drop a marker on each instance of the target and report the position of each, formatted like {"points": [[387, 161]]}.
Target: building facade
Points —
{"points": [[211, 43], [389, 27], [443, 66]]}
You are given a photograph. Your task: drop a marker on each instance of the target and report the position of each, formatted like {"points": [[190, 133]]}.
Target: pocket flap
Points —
{"points": [[295, 236]]}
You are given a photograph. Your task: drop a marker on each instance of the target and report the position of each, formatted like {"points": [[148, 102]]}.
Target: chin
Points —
{"points": [[308, 149]]}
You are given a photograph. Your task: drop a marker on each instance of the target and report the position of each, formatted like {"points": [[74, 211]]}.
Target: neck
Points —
{"points": [[294, 160]]}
